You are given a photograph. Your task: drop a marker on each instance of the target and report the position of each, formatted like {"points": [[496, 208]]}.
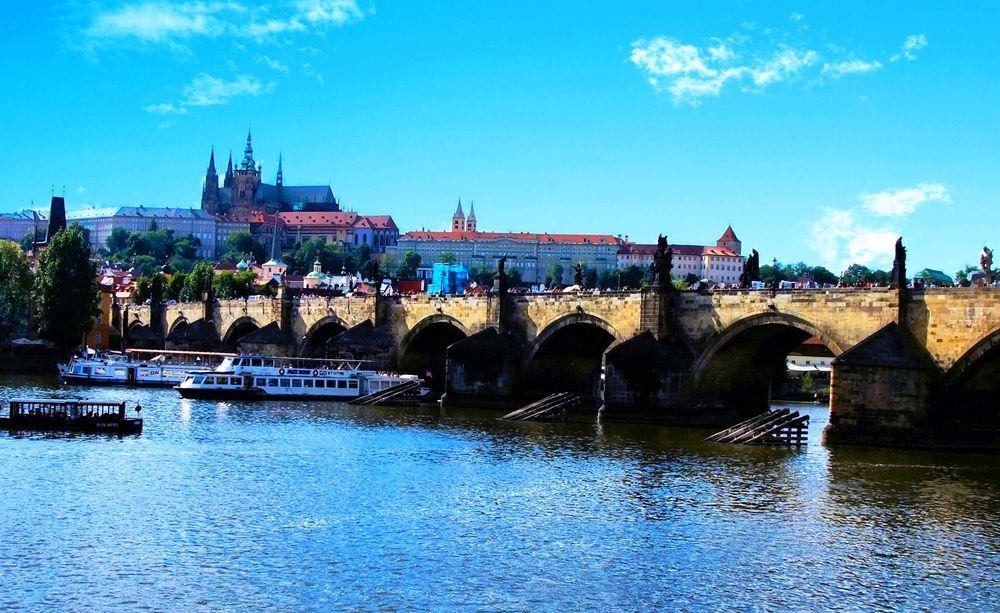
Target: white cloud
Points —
{"points": [[912, 44], [273, 64], [862, 234], [753, 58], [165, 108], [839, 69], [171, 23], [899, 202], [841, 240], [81, 189], [784, 65], [206, 90]]}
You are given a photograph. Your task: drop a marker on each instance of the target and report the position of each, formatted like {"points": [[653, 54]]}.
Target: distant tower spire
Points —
{"points": [[470, 221], [280, 179], [57, 217], [248, 163], [228, 181], [458, 219], [210, 192]]}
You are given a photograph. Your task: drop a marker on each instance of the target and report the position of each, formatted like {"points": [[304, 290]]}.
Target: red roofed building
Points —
{"points": [[346, 228], [530, 254], [721, 263]]}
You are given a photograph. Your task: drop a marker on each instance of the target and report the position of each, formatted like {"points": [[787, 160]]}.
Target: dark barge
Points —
{"points": [[60, 415]]}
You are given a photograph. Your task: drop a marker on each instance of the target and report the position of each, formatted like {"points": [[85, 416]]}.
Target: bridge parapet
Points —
{"points": [[950, 322], [534, 313]]}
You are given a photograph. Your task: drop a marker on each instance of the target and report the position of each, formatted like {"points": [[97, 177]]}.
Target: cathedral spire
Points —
{"points": [[211, 163], [248, 163], [458, 219], [228, 182], [280, 179]]}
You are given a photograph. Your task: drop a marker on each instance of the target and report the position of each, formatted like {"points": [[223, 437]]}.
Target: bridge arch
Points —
{"points": [[741, 326], [741, 367], [423, 348], [971, 391], [177, 324], [316, 337], [571, 347], [238, 329], [570, 320]]}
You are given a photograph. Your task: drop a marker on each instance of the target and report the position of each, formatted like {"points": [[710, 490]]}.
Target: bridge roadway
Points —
{"points": [[688, 357]]}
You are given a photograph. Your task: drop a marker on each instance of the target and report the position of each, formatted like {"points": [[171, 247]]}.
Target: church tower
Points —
{"points": [[729, 241], [458, 219], [210, 192], [470, 221], [246, 180], [280, 179], [228, 181]]}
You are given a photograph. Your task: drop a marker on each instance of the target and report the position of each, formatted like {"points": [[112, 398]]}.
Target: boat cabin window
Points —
{"points": [[353, 384], [296, 382], [261, 382], [308, 383], [342, 384], [256, 362], [238, 362], [272, 382], [285, 383], [199, 380]]}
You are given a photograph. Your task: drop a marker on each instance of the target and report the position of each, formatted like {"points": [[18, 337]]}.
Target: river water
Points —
{"points": [[324, 506]]}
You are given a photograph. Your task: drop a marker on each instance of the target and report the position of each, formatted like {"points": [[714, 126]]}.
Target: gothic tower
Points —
{"points": [[246, 180], [279, 180], [228, 181], [458, 219], [729, 241], [470, 221], [210, 192]]}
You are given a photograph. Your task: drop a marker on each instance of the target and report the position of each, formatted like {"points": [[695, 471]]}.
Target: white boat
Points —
{"points": [[254, 376], [137, 367]]}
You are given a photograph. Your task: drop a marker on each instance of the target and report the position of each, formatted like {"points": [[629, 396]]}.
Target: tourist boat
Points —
{"points": [[137, 367], [254, 376], [70, 416]]}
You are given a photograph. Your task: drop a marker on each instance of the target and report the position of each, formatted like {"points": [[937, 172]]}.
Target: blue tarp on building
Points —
{"points": [[448, 279]]}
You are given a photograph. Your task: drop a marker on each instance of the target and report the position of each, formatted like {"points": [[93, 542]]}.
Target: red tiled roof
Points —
{"points": [[381, 221], [697, 250], [728, 235], [337, 218], [597, 239]]}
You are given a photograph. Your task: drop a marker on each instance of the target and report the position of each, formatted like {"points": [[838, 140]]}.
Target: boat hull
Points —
{"points": [[108, 382], [201, 393], [93, 426]]}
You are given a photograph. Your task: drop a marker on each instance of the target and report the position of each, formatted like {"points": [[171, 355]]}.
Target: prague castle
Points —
{"points": [[243, 192]]}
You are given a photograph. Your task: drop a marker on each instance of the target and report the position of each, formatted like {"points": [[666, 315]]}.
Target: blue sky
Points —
{"points": [[820, 131]]}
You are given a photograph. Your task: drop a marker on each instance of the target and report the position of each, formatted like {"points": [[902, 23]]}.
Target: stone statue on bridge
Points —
{"points": [[898, 278], [751, 270], [663, 263], [986, 264], [578, 275], [502, 280]]}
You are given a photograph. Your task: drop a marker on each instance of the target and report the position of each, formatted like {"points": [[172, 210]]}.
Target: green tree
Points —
{"points": [[244, 244], [198, 282], [554, 274], [28, 241], [64, 292], [962, 276], [180, 264], [187, 247], [806, 383], [823, 276], [632, 277], [389, 263], [117, 241], [680, 284], [514, 278], [448, 257], [228, 285], [408, 268], [15, 287], [176, 285], [589, 277], [144, 265], [141, 293]]}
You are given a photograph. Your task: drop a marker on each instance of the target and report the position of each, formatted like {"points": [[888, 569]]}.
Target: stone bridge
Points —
{"points": [[914, 367]]}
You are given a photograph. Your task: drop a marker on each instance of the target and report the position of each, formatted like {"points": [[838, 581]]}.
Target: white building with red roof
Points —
{"points": [[529, 253], [346, 228], [721, 263]]}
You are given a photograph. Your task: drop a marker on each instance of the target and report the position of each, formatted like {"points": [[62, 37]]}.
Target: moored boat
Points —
{"points": [[61, 415], [254, 376], [137, 367]]}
